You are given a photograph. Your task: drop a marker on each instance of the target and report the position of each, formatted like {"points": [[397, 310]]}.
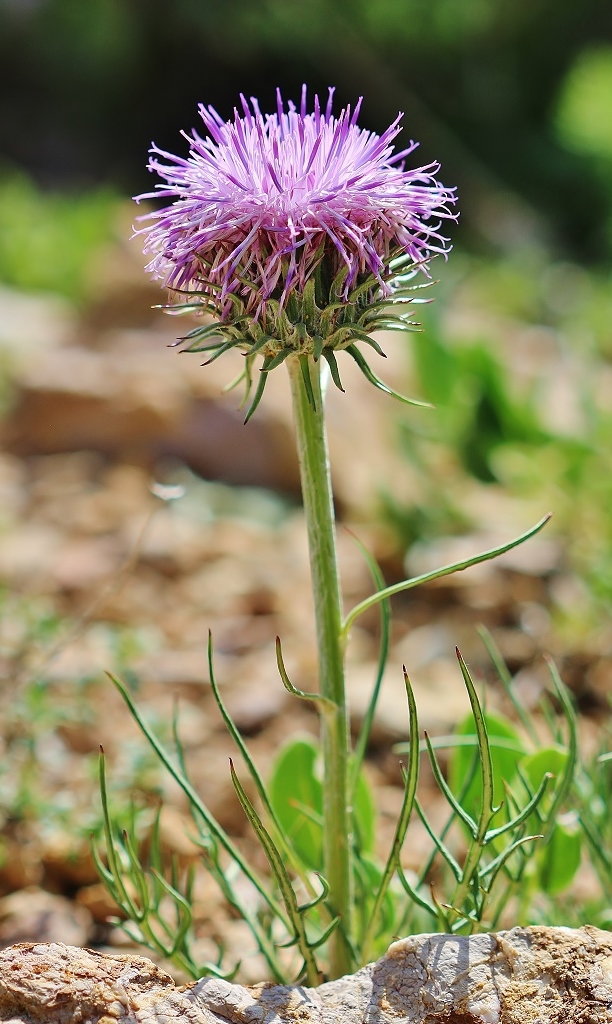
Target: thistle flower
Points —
{"points": [[297, 231]]}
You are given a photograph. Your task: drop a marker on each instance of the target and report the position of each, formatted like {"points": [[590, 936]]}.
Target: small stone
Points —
{"points": [[35, 915]]}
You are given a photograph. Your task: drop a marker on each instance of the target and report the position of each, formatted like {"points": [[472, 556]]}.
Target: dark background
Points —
{"points": [[85, 85]]}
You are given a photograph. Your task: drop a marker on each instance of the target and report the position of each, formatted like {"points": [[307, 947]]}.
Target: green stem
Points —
{"points": [[319, 511]]}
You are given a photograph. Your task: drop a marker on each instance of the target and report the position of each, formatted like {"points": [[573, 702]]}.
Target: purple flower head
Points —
{"points": [[292, 226], [262, 195]]}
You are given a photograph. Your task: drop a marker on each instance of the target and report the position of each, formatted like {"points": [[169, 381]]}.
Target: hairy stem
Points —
{"points": [[319, 511]]}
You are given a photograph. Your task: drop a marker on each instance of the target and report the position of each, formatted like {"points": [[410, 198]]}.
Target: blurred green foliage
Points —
{"points": [[584, 118], [35, 801], [84, 87], [584, 114], [515, 355], [48, 241]]}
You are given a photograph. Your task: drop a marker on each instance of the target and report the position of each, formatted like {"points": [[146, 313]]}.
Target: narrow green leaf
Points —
{"points": [[201, 809], [415, 896], [410, 787], [324, 936], [377, 919], [494, 867], [488, 807], [237, 380], [438, 841], [184, 912], [506, 750], [282, 879], [323, 702], [305, 908], [445, 789], [221, 351], [260, 344], [234, 732], [523, 815], [118, 891], [368, 340], [428, 577], [565, 781]]}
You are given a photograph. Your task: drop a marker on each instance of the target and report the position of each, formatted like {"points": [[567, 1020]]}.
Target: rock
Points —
{"points": [[43, 916], [524, 976], [135, 399]]}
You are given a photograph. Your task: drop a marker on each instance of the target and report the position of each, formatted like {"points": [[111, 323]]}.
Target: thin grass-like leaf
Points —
{"points": [[118, 892], [184, 912], [282, 880], [367, 339], [305, 908], [324, 936], [416, 896], [437, 574], [484, 749], [410, 787], [445, 789], [527, 810], [493, 868], [453, 740], [565, 782], [316, 698], [260, 344], [438, 841], [221, 351], [234, 732], [219, 834]]}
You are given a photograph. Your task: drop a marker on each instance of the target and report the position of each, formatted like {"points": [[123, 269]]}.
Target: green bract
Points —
{"points": [[317, 322]]}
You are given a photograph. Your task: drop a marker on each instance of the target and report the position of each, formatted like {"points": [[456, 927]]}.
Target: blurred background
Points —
{"points": [[136, 509], [513, 100]]}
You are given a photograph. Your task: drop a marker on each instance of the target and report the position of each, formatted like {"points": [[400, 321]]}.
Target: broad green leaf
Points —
{"points": [[505, 754], [550, 759], [364, 810], [559, 860], [533, 768], [296, 794]]}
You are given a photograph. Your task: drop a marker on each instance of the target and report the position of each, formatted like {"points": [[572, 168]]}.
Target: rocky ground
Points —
{"points": [[138, 513]]}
